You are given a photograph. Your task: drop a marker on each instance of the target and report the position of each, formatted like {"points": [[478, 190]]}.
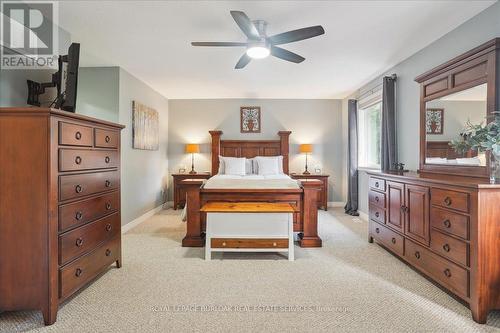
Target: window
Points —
{"points": [[369, 135]]}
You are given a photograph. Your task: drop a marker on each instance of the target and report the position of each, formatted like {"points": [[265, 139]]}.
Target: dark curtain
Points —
{"points": [[351, 206], [389, 148]]}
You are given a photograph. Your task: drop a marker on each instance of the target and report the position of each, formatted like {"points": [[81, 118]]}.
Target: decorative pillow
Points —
{"points": [[267, 166], [234, 166], [277, 159]]}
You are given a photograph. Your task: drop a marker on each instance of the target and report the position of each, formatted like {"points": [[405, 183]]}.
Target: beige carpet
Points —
{"points": [[348, 285]]}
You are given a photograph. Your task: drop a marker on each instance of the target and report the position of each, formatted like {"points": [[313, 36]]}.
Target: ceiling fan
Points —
{"points": [[259, 45]]}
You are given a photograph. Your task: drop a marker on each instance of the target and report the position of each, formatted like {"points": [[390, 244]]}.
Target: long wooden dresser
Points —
{"points": [[447, 227], [60, 224]]}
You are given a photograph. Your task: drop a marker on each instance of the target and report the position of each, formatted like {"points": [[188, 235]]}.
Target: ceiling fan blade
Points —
{"points": [[244, 60], [218, 44], [296, 35], [245, 25], [286, 55]]}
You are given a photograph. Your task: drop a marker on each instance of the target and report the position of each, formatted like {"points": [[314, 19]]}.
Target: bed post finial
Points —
{"points": [[215, 150], [284, 147]]}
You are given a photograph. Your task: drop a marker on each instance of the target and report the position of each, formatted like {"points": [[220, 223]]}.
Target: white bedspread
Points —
{"points": [[280, 181]]}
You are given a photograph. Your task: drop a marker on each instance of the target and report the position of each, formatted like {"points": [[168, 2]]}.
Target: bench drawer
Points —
{"points": [[247, 243]]}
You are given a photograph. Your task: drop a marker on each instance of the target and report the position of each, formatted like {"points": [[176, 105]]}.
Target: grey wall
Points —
{"points": [[311, 121], [98, 92], [144, 172], [481, 28]]}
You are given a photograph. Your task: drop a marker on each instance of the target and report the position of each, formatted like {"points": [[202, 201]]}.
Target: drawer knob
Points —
{"points": [[78, 135], [78, 160], [377, 214], [78, 216], [446, 247], [107, 183], [447, 273], [107, 138], [223, 243], [377, 230], [447, 201], [377, 199], [274, 244], [377, 184], [78, 188], [393, 240], [78, 272], [108, 227], [108, 206], [417, 254], [107, 159], [108, 252], [79, 242], [447, 223]]}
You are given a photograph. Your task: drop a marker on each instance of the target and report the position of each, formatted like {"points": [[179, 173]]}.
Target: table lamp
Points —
{"points": [[192, 148], [306, 149]]}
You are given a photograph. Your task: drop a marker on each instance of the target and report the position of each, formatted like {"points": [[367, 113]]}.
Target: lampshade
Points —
{"points": [[192, 148], [306, 148]]}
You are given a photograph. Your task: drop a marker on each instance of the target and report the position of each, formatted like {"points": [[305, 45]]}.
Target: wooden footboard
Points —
{"points": [[305, 220]]}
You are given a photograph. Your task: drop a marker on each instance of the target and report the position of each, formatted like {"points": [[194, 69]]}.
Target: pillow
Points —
{"points": [[267, 166], [248, 165], [277, 159], [234, 166], [221, 165]]}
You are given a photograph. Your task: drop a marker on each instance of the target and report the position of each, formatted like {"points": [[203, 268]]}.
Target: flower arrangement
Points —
{"points": [[480, 137]]}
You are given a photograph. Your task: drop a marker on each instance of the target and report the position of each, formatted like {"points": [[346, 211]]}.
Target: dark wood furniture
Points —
{"points": [[443, 149], [59, 205], [323, 192], [180, 186], [304, 198], [447, 227], [473, 68]]}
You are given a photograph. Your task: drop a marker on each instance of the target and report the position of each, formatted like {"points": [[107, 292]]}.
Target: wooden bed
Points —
{"points": [[304, 198]]}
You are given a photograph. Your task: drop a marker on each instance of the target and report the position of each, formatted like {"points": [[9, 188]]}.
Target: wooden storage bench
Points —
{"points": [[249, 227]]}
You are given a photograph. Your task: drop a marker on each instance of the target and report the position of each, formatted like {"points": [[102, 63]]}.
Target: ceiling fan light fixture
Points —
{"points": [[258, 52]]}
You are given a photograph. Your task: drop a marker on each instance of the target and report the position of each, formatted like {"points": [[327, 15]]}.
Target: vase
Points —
{"points": [[494, 168]]}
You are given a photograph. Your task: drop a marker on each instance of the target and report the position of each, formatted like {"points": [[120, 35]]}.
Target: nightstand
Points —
{"points": [[323, 194], [180, 187]]}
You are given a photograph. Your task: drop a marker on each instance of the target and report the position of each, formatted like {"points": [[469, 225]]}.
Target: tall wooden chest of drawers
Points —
{"points": [[60, 224], [447, 227]]}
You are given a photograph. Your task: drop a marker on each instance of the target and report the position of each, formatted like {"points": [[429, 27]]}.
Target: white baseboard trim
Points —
{"points": [[140, 219], [336, 204], [363, 215]]}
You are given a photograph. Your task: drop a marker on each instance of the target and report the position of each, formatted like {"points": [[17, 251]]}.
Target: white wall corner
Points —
{"points": [[134, 223]]}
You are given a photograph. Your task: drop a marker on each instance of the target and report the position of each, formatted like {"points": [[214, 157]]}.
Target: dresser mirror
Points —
{"points": [[453, 96], [446, 118]]}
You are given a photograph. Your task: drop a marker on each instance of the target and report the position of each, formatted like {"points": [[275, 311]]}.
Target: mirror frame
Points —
{"points": [[473, 68]]}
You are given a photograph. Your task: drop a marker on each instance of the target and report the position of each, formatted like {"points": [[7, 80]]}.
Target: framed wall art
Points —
{"points": [[250, 119]]}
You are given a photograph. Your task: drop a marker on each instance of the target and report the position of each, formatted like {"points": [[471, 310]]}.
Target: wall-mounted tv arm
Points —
{"points": [[35, 89]]}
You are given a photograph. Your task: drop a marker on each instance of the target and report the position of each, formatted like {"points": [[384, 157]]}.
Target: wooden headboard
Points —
{"points": [[249, 148], [444, 150]]}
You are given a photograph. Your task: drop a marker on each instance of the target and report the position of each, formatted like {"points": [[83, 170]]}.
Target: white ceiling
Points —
{"points": [[151, 40]]}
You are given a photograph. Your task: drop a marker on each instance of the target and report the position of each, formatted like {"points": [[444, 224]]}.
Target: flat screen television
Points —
{"points": [[65, 80]]}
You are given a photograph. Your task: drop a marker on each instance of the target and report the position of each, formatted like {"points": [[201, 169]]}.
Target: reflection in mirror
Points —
{"points": [[446, 118]]}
